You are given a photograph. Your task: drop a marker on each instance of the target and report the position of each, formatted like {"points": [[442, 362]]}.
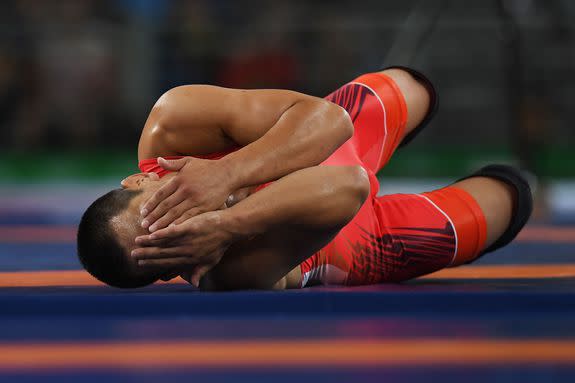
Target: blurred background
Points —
{"points": [[77, 81], [78, 78]]}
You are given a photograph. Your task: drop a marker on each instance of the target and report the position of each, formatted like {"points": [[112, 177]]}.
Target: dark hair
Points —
{"points": [[99, 248]]}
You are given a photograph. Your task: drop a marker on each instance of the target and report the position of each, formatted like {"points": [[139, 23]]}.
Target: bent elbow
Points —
{"points": [[336, 120], [346, 123], [359, 183], [354, 187], [343, 122]]}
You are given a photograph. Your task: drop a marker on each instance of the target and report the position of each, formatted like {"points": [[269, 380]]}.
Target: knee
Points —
{"points": [[410, 87], [504, 195], [416, 95]]}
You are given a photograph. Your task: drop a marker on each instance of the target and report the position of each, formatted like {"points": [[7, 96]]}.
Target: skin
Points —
{"points": [[279, 131], [259, 241], [257, 231], [496, 199]]}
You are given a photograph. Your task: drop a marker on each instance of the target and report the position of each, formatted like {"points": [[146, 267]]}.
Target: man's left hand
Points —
{"points": [[198, 243], [200, 186]]}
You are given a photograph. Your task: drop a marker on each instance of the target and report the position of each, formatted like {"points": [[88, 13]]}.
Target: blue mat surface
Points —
{"points": [[527, 310]]}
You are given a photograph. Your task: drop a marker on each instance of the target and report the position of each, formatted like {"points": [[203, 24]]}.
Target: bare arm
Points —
{"points": [[319, 197], [270, 232], [202, 119], [280, 131]]}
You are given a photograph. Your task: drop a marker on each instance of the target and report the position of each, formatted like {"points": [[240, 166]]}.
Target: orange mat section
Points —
{"points": [[284, 353], [76, 278], [64, 278], [505, 272], [547, 234], [67, 234]]}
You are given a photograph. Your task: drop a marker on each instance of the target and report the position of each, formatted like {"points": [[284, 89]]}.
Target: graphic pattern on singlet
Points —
{"points": [[391, 238], [351, 97], [399, 252]]}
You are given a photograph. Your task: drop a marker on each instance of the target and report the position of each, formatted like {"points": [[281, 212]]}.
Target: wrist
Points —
{"points": [[235, 222], [232, 172], [245, 167]]}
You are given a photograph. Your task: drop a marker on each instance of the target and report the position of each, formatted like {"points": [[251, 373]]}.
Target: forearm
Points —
{"points": [[318, 197], [304, 136], [279, 131]]}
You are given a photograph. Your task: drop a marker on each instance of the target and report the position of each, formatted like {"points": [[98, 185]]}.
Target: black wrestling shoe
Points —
{"points": [[523, 202], [433, 102]]}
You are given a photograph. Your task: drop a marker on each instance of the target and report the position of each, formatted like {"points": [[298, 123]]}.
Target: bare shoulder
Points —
{"points": [[192, 92], [187, 120], [203, 119]]}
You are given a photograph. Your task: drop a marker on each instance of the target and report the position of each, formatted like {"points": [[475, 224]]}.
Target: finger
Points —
{"points": [[172, 201], [187, 215], [147, 241], [173, 165], [168, 263], [168, 189], [140, 253], [198, 273], [171, 215], [161, 238], [170, 232]]}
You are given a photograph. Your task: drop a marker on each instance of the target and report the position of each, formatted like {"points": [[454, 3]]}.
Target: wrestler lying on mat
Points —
{"points": [[280, 192]]}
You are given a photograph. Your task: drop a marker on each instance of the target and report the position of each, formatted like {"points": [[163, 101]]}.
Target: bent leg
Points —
{"points": [[391, 239], [423, 233], [416, 96], [495, 200], [385, 107]]}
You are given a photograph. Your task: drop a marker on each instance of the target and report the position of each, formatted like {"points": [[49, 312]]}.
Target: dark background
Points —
{"points": [[78, 77]]}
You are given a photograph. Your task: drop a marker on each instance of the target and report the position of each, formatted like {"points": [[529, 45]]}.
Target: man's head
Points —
{"points": [[108, 229]]}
